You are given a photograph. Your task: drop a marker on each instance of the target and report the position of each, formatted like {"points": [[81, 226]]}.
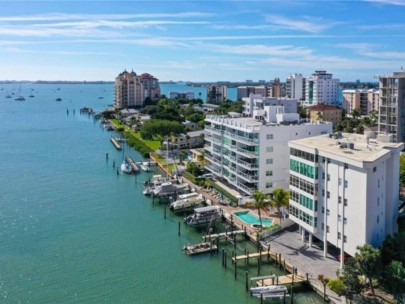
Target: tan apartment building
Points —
{"points": [[364, 100], [323, 112], [274, 89], [216, 93], [132, 89]]}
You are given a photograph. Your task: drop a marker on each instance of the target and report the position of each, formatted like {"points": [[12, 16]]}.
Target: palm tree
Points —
{"points": [[368, 261], [279, 198], [261, 202]]}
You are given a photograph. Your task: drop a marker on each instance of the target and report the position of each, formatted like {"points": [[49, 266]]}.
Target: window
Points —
{"points": [[269, 173], [269, 185], [269, 149], [339, 217], [328, 177], [269, 136], [327, 212], [374, 169], [323, 209], [339, 199], [346, 183], [339, 235], [327, 194], [378, 201], [323, 175], [269, 161], [378, 219], [345, 202], [340, 181], [323, 192], [327, 229], [323, 226], [345, 220], [345, 239], [346, 166]]}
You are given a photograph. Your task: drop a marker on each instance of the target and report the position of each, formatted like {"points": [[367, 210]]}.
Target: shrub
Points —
{"points": [[337, 286], [137, 144]]}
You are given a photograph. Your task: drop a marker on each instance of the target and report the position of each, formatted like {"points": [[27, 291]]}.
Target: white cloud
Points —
{"points": [[259, 49], [397, 26], [62, 17], [306, 24], [389, 2]]}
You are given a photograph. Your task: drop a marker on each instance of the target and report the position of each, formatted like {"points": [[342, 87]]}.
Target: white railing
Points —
{"points": [[246, 152], [248, 177], [247, 164]]}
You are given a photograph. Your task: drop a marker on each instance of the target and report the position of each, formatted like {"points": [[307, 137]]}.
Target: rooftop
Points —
{"points": [[322, 107], [362, 151]]}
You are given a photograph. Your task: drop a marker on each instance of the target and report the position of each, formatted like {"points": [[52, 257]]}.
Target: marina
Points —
{"points": [[115, 143], [94, 226]]}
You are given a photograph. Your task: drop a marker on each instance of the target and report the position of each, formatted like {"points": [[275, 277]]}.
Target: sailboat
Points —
{"points": [[20, 98]]}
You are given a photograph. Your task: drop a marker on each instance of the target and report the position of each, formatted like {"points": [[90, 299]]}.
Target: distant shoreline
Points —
{"points": [[55, 82]]}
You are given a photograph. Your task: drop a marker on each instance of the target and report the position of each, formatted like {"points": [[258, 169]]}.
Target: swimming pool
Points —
{"points": [[251, 218]]}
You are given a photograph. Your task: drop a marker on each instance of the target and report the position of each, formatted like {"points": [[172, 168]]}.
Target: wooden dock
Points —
{"points": [[222, 235], [254, 255], [115, 143], [281, 280], [131, 162]]}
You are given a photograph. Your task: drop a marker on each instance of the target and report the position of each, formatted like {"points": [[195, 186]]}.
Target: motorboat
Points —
{"points": [[58, 99], [20, 98], [126, 168], [187, 202], [144, 166], [203, 216], [199, 248]]}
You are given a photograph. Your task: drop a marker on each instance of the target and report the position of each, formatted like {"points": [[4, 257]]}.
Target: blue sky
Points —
{"points": [[200, 40]]}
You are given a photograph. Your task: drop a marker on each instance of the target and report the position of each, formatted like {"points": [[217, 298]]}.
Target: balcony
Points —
{"points": [[248, 177], [217, 151], [216, 140], [213, 169], [247, 153], [247, 165], [248, 189], [216, 131], [243, 139]]}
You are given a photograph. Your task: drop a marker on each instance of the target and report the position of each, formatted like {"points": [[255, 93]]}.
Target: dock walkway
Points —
{"points": [[281, 280], [131, 162], [222, 235], [115, 143]]}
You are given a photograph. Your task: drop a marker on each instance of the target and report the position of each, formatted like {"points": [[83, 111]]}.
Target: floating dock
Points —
{"points": [[115, 143], [131, 162]]}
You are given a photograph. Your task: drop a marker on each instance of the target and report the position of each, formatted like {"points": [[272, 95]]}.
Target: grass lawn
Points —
{"points": [[153, 144]]}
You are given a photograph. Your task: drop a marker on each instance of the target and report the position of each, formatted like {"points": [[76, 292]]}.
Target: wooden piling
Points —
{"points": [[179, 228], [223, 259], [258, 266], [106, 156], [165, 211], [246, 281], [235, 265]]}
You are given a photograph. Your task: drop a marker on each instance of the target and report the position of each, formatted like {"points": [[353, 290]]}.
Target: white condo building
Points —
{"points": [[252, 154], [321, 88], [257, 102], [295, 87], [181, 95], [344, 189]]}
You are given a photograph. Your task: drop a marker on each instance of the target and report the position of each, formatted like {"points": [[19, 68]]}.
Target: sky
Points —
{"points": [[201, 40]]}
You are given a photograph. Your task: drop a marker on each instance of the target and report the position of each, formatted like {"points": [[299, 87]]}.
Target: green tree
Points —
{"points": [[302, 111], [402, 170], [395, 278], [393, 248], [279, 198], [196, 117], [351, 279], [368, 260], [156, 127], [262, 201], [356, 113], [168, 109]]}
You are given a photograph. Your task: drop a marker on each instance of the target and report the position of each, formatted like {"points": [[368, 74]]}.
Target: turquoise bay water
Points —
{"points": [[72, 231], [250, 218]]}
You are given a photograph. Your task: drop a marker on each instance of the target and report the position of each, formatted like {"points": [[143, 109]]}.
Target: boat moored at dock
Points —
{"points": [[126, 168], [199, 248], [187, 202], [203, 216]]}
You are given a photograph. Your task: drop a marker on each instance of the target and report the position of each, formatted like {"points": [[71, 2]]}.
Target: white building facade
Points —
{"points": [[344, 189], [181, 95], [252, 154], [258, 102], [295, 87], [321, 88]]}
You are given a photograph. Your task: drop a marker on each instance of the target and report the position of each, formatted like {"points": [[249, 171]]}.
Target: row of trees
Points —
{"points": [[159, 128], [383, 266]]}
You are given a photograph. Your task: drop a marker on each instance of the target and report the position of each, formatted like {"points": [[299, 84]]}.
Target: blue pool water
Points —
{"points": [[250, 218]]}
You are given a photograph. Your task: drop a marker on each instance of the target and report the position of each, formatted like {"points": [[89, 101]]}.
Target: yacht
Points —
{"points": [[58, 99], [187, 202], [169, 189], [20, 98], [203, 216], [126, 168], [8, 96]]}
